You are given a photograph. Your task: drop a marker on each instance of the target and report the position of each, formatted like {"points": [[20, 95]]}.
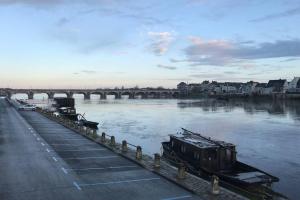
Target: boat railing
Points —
{"points": [[208, 139]]}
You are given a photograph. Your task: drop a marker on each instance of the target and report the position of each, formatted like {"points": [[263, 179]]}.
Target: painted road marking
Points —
{"points": [[83, 150], [48, 150], [73, 139], [38, 139], [180, 197], [117, 182], [42, 144], [54, 159], [70, 144], [102, 168], [83, 158], [34, 134], [64, 170], [76, 185]]}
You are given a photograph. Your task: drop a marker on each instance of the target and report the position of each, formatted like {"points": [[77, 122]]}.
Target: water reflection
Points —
{"points": [[291, 108]]}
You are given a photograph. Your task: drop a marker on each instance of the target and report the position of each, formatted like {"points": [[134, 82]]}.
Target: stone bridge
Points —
{"points": [[103, 93]]}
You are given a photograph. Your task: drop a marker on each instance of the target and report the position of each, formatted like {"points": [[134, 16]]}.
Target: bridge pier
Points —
{"points": [[103, 96], [69, 94], [87, 96], [118, 96], [30, 95], [50, 95], [131, 96]]}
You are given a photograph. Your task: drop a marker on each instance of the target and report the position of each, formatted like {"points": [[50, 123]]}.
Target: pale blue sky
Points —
{"points": [[108, 43]]}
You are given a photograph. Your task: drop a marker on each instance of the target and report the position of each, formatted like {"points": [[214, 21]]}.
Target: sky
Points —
{"points": [[115, 43]]}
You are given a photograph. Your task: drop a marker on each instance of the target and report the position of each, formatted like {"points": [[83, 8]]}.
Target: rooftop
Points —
{"points": [[200, 141]]}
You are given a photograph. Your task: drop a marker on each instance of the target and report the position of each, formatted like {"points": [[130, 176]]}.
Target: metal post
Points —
{"points": [[156, 160], [112, 141], [215, 185], [103, 137], [87, 130], [94, 133], [138, 154], [124, 146], [181, 171]]}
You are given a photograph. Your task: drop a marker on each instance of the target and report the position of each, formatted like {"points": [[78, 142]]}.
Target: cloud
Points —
{"points": [[167, 67], [32, 2], [286, 13], [55, 2], [160, 42], [63, 21], [290, 59], [89, 71], [223, 52]]}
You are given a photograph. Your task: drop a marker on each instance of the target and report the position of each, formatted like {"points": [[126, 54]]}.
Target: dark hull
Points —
{"points": [[235, 176], [90, 124]]}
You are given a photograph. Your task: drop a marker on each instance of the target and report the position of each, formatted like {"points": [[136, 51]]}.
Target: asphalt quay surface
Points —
{"points": [[44, 160]]}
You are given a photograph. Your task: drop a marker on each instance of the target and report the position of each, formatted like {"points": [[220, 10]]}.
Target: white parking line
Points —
{"points": [[48, 150], [72, 139], [180, 197], [83, 158], [42, 144], [38, 139], [70, 144], [54, 159], [76, 185], [64, 170], [117, 182], [102, 168], [83, 150]]}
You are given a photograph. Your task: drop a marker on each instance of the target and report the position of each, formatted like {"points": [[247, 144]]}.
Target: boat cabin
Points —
{"points": [[202, 152], [67, 110]]}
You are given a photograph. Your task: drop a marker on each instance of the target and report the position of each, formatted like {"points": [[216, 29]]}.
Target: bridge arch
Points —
{"points": [[128, 93], [101, 94], [141, 94], [153, 95], [41, 95], [116, 94], [20, 95], [175, 94], [165, 94], [60, 94]]}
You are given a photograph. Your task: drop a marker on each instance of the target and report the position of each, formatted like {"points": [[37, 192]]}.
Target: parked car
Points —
{"points": [[27, 107]]}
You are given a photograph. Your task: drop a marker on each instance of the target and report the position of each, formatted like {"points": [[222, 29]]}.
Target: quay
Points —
{"points": [[42, 157]]}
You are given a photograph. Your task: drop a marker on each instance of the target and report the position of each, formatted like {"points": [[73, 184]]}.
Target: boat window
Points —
{"points": [[228, 154], [183, 149], [197, 155]]}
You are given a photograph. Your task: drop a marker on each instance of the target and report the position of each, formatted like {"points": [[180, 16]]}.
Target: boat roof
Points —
{"points": [[200, 141]]}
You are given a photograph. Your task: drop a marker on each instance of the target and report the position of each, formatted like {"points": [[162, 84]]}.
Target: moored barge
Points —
{"points": [[202, 154]]}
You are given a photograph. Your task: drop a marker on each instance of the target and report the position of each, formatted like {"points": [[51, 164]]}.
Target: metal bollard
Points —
{"points": [[124, 146], [87, 131], [181, 171], [138, 154], [94, 133], [103, 137], [215, 185], [112, 141], [156, 160]]}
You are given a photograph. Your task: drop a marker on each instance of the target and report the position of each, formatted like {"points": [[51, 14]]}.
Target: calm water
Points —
{"points": [[267, 134]]}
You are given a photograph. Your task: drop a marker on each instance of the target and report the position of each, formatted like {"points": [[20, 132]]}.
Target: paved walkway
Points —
{"points": [[40, 159]]}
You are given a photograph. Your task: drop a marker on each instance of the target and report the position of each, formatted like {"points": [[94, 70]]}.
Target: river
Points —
{"points": [[267, 133]]}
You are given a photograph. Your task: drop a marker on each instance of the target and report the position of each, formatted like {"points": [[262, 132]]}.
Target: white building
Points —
{"points": [[294, 85]]}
